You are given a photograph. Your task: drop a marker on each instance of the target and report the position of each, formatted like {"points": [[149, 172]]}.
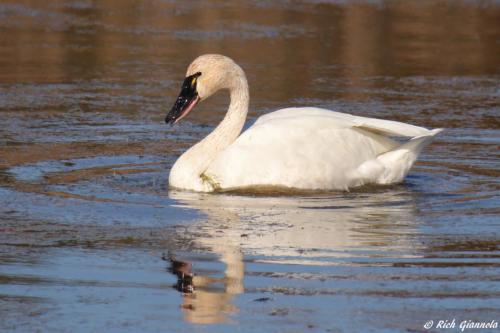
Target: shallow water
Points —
{"points": [[91, 239]]}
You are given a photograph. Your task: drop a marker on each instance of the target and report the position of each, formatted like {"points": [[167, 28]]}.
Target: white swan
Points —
{"points": [[298, 148]]}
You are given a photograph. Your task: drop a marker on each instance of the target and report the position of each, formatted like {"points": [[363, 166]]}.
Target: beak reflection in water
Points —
{"points": [[187, 100]]}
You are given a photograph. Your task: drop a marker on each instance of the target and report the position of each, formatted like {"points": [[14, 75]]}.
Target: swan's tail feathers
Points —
{"points": [[393, 166], [398, 162]]}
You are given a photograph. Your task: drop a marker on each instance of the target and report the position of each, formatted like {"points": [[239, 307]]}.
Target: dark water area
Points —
{"points": [[92, 239]]}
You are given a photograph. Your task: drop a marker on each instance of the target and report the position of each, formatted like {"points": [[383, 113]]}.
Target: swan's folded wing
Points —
{"points": [[389, 127], [378, 126]]}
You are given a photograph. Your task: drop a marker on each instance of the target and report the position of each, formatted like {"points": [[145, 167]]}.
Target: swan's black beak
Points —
{"points": [[186, 101]]}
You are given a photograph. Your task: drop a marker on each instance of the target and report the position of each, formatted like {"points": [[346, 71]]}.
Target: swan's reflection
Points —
{"points": [[319, 230]]}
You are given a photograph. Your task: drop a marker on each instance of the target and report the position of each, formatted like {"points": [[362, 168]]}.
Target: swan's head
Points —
{"points": [[205, 76]]}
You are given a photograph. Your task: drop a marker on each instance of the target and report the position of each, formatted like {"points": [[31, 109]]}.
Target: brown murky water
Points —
{"points": [[91, 239]]}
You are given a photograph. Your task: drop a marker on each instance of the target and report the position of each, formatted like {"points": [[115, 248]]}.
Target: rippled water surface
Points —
{"points": [[92, 239]]}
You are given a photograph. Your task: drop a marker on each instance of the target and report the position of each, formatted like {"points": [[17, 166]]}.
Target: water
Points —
{"points": [[92, 239]]}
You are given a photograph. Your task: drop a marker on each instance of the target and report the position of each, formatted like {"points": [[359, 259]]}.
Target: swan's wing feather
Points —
{"points": [[389, 127], [378, 126]]}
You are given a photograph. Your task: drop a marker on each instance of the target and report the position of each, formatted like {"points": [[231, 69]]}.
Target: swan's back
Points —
{"points": [[305, 148], [382, 126]]}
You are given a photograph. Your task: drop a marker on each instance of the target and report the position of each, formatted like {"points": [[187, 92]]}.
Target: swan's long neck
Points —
{"points": [[230, 127], [188, 169]]}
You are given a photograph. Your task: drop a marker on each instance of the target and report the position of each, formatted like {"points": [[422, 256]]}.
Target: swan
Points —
{"points": [[304, 148]]}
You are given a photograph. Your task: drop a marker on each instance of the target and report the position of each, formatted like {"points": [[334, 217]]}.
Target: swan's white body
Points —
{"points": [[300, 148]]}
